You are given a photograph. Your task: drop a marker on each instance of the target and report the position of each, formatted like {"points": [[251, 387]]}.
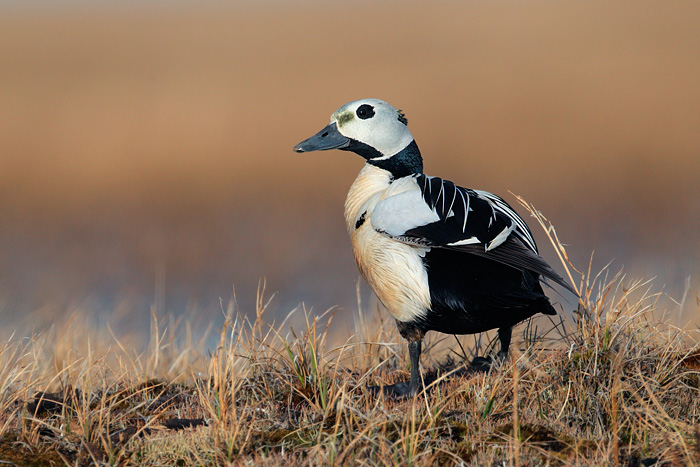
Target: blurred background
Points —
{"points": [[146, 162]]}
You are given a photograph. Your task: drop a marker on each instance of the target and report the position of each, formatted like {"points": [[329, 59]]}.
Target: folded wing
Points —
{"points": [[437, 213]]}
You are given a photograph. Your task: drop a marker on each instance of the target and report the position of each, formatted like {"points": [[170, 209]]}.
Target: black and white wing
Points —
{"points": [[439, 214]]}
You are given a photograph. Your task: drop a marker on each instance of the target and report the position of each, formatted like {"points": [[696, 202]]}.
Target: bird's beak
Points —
{"points": [[328, 138]]}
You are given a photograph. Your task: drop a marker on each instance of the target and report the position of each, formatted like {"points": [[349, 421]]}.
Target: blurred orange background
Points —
{"points": [[145, 149]]}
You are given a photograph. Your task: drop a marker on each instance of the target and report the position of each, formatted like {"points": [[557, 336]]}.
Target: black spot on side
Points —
{"points": [[360, 221]]}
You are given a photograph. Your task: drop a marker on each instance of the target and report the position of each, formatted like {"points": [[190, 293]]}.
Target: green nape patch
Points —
{"points": [[402, 118], [343, 117]]}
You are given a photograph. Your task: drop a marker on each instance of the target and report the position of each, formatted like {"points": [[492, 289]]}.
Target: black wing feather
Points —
{"points": [[463, 214], [513, 253], [476, 219]]}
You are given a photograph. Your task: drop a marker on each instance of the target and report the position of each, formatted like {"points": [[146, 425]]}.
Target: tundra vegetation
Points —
{"points": [[613, 380]]}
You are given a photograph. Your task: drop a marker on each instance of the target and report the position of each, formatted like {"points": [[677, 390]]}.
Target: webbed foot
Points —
{"points": [[396, 391], [481, 364]]}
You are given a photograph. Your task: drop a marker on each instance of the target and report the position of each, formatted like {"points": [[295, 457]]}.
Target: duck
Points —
{"points": [[438, 256]]}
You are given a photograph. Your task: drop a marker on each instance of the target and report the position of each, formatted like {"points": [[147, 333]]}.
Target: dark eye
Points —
{"points": [[365, 111]]}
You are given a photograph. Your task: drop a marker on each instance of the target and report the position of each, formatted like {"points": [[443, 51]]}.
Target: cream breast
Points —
{"points": [[394, 270]]}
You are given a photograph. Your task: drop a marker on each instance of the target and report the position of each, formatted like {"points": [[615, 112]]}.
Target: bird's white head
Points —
{"points": [[373, 129], [368, 122]]}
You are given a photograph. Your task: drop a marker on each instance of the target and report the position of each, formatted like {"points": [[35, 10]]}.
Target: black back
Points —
{"points": [[471, 294]]}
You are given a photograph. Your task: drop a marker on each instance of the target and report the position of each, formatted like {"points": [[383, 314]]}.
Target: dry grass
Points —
{"points": [[613, 385]]}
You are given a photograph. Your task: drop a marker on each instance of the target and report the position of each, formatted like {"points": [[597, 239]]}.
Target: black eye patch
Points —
{"points": [[365, 111]]}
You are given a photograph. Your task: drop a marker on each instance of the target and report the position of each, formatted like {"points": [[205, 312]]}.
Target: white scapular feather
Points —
{"points": [[500, 238], [402, 212], [466, 241]]}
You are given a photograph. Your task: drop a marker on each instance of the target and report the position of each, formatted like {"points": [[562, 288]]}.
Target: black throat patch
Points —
{"points": [[406, 162], [362, 149]]}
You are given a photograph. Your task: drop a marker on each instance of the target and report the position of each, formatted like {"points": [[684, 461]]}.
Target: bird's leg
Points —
{"points": [[484, 363], [414, 349], [414, 336], [504, 335]]}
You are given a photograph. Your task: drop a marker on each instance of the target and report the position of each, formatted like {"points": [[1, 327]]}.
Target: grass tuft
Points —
{"points": [[609, 382]]}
